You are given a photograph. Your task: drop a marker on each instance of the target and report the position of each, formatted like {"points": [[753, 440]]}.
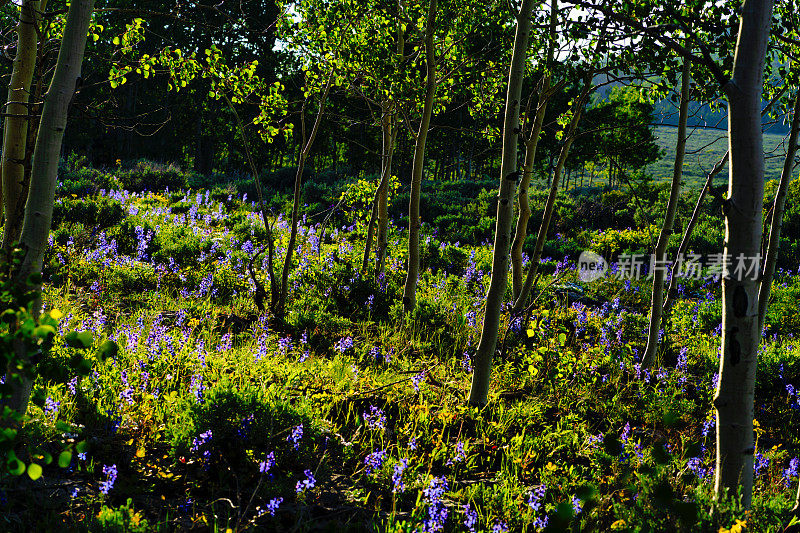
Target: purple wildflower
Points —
{"points": [[265, 466], [470, 518], [111, 477], [308, 483], [296, 436], [397, 476], [500, 527], [374, 461], [273, 505], [437, 511], [374, 418], [761, 463], [536, 497], [417, 380], [791, 472], [343, 344], [459, 456]]}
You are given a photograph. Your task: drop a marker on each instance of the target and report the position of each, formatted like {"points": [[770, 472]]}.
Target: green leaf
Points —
{"points": [[115, 41], [34, 471], [562, 339], [15, 466], [65, 458], [44, 331], [81, 339], [108, 349], [8, 316], [84, 368]]}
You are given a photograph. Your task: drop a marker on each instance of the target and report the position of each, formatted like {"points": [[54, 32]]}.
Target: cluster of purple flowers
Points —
{"points": [[266, 465], [51, 406], [374, 461], [470, 518], [201, 443], [273, 505], [197, 387], [375, 418], [459, 456], [437, 511], [535, 503], [418, 380], [698, 468], [466, 363], [500, 527], [304, 484], [296, 436], [761, 464], [343, 344], [577, 506], [111, 477], [397, 475], [285, 345], [792, 471]]}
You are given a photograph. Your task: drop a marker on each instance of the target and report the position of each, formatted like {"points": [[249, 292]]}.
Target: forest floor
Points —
{"points": [[353, 416]]}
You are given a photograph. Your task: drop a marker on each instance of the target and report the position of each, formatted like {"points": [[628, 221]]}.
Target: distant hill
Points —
{"points": [[666, 113], [700, 116]]}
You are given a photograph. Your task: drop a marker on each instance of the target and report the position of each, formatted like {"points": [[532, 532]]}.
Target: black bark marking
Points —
{"points": [[512, 176], [739, 301], [726, 207], [504, 201], [734, 347]]}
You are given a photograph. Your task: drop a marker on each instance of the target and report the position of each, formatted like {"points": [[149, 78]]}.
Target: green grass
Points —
{"points": [[703, 149], [204, 388]]}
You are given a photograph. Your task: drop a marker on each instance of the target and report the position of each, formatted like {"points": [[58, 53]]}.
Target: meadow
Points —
{"points": [[704, 148], [352, 416]]}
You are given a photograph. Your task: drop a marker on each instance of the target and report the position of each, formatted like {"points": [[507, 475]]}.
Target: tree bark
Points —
{"points": [[280, 308], [41, 194], [569, 137], [777, 217], [383, 206], [412, 277], [659, 257], [381, 193], [16, 127], [481, 375], [687, 232], [523, 198], [523, 195], [273, 282], [743, 219]]}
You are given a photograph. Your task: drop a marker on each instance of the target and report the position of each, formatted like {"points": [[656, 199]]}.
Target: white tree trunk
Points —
{"points": [[412, 277], [479, 390], [523, 195], [41, 194], [743, 213], [15, 130]]}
